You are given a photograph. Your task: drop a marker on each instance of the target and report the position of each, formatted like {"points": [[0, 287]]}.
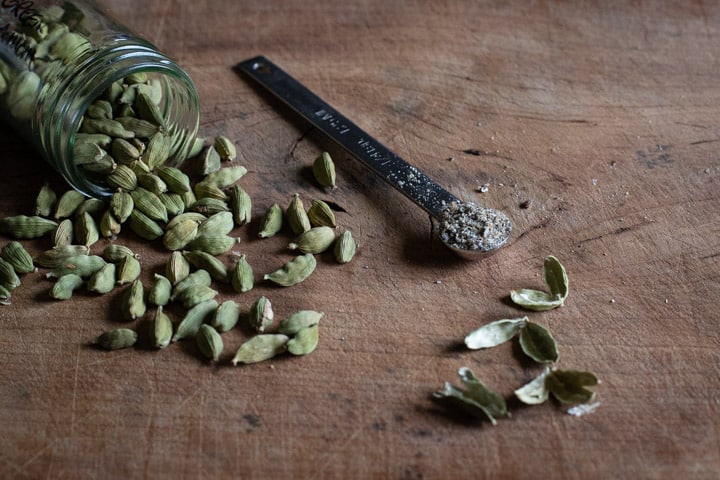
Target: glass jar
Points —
{"points": [[71, 77]]}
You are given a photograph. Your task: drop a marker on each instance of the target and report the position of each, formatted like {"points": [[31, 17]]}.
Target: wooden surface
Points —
{"points": [[603, 115]]}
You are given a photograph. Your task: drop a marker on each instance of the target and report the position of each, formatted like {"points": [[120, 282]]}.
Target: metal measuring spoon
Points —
{"points": [[470, 230]]}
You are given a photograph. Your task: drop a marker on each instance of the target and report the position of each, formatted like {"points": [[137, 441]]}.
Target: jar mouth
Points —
{"points": [[68, 103]]}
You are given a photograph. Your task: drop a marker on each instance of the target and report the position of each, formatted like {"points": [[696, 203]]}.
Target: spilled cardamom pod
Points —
{"points": [[298, 321], [225, 148], [260, 348], [305, 341], [177, 268], [209, 342], [345, 248], [296, 216], [226, 316], [64, 287], [205, 261], [102, 281], [23, 227], [45, 201], [261, 314], [116, 339], [324, 170], [293, 272], [190, 324], [271, 222], [315, 240], [161, 329], [240, 205], [320, 214], [241, 276], [160, 291], [16, 255]]}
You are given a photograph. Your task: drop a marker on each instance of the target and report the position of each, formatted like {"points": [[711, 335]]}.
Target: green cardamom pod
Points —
{"points": [[209, 161], [180, 235], [225, 148], [93, 206], [226, 316], [8, 277], [121, 205], [144, 226], [198, 277], [320, 214], [109, 225], [241, 276], [477, 399], [220, 223], [324, 170], [5, 296], [174, 178], [109, 127], [191, 296], [115, 253], [141, 128], [211, 264], [177, 268], [153, 183], [86, 230], [16, 255], [538, 343], [209, 342], [345, 247], [65, 286], [116, 339], [148, 110], [45, 201], [123, 151], [315, 240], [212, 244], [149, 204], [197, 147], [173, 203], [159, 294], [556, 280], [68, 203], [132, 302], [555, 277], [128, 270], [24, 227], [83, 265], [158, 150], [100, 109], [23, 94], [260, 348], [123, 177], [161, 329], [569, 386], [190, 324], [69, 47], [304, 342], [224, 177], [240, 205], [298, 321], [495, 333], [209, 206], [194, 216], [102, 281], [57, 255], [64, 233], [210, 191], [271, 222], [261, 314], [534, 392], [99, 139], [296, 216], [293, 272]]}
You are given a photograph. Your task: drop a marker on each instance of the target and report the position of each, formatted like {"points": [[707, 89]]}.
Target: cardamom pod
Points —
{"points": [[211, 264], [180, 235], [149, 204], [144, 226], [555, 277], [114, 252], [162, 329], [324, 170], [57, 255], [121, 205], [198, 277], [24, 227], [68, 203], [304, 342], [141, 128], [159, 294], [4, 296], [45, 201], [152, 183], [64, 287], [209, 161], [209, 342], [271, 222], [226, 316], [132, 302], [210, 191], [93, 206], [225, 148], [191, 296], [190, 324], [174, 178], [109, 225], [64, 233], [296, 216], [568, 386], [495, 333], [83, 265], [123, 151], [220, 223], [16, 255], [123, 177], [241, 276], [102, 281], [22, 97], [148, 110], [177, 268], [261, 314], [320, 214], [194, 216], [212, 244], [298, 321], [157, 150], [345, 247], [86, 230], [8, 277], [106, 126], [315, 240], [100, 109], [240, 205], [534, 392], [197, 147], [538, 343], [128, 270], [209, 206], [173, 203], [293, 272], [261, 347], [477, 399], [116, 339], [224, 177]]}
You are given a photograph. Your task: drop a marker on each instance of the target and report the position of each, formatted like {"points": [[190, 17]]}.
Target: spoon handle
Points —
{"points": [[409, 180]]}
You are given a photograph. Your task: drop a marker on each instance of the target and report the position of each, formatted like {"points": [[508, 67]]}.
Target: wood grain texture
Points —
{"points": [[604, 115]]}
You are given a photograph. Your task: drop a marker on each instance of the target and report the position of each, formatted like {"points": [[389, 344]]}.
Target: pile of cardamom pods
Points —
{"points": [[566, 386], [194, 222]]}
